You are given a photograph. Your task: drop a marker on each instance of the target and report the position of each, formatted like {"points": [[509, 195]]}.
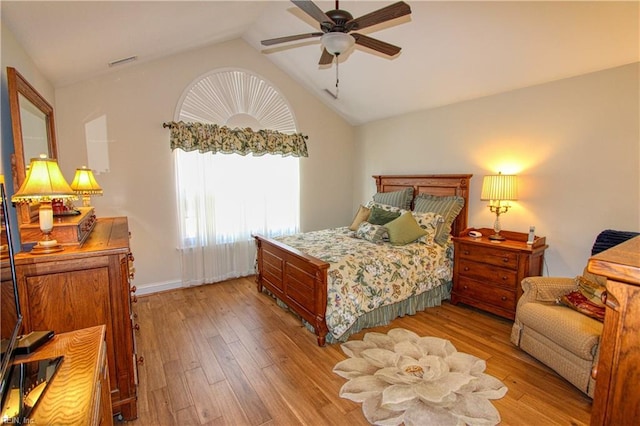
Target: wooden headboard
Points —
{"points": [[434, 185]]}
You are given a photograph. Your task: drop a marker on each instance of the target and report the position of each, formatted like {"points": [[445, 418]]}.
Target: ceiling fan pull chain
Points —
{"points": [[337, 78]]}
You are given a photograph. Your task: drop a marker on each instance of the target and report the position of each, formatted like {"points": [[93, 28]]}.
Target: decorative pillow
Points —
{"points": [[361, 216], [447, 206], [372, 204], [429, 222], [404, 230], [401, 199], [380, 217], [370, 232], [586, 299]]}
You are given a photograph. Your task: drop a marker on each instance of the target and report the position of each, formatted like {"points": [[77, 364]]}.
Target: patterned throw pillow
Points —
{"points": [[586, 299], [401, 199], [372, 233], [447, 206], [372, 204], [430, 222]]}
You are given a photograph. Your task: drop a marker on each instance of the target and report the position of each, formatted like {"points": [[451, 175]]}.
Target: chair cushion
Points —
{"points": [[567, 328]]}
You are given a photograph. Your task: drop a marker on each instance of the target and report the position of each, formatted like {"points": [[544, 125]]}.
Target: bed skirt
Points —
{"points": [[384, 314]]}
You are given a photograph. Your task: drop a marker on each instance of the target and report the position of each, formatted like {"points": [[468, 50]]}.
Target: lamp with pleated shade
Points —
{"points": [[499, 190], [44, 182], [84, 184]]}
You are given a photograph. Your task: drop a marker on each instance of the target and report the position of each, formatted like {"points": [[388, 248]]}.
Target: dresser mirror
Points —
{"points": [[33, 133]]}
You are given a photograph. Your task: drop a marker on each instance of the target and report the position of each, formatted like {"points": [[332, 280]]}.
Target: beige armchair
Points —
{"points": [[563, 339], [560, 337]]}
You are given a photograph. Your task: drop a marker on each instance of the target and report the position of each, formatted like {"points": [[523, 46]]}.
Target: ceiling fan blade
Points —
{"points": [[375, 44], [326, 58], [388, 13], [272, 41], [312, 10]]}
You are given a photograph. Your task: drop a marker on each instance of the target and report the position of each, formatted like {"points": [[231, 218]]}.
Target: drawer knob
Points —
{"points": [[503, 298], [465, 287], [504, 278], [466, 252], [466, 268], [505, 259]]}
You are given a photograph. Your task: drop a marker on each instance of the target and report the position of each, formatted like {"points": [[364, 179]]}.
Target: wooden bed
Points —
{"points": [[300, 280]]}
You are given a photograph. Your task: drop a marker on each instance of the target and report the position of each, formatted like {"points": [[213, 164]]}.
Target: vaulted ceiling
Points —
{"points": [[451, 51]]}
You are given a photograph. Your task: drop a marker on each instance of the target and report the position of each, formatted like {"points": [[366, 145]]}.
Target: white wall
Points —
{"points": [[13, 55], [574, 143], [140, 183]]}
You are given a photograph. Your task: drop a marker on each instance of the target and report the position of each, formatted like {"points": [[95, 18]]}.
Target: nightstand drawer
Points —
{"points": [[494, 256], [467, 288], [488, 273]]}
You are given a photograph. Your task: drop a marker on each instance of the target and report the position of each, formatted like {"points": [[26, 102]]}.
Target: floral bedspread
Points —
{"points": [[364, 276]]}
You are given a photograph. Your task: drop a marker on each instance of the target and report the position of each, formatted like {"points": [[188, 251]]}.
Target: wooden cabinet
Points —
{"points": [[617, 396], [79, 392], [85, 286], [487, 274]]}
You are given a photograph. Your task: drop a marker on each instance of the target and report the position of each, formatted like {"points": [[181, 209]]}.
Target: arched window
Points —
{"points": [[224, 199]]}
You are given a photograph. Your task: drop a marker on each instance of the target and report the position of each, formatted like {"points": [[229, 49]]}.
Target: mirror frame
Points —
{"points": [[18, 85]]}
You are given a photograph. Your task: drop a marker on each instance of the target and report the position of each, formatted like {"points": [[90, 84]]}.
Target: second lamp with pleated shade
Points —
{"points": [[85, 185]]}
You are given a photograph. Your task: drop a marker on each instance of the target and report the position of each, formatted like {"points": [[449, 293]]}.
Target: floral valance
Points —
{"points": [[205, 137]]}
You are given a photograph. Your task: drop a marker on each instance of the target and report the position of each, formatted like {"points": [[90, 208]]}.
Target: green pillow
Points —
{"points": [[447, 206], [381, 217], [404, 230], [401, 199]]}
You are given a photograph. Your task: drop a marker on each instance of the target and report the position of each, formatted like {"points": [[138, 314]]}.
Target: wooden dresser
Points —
{"points": [[85, 286], [617, 396], [79, 392], [487, 274]]}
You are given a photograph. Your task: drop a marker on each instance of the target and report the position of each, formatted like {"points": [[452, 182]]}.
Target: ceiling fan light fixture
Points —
{"points": [[337, 43]]}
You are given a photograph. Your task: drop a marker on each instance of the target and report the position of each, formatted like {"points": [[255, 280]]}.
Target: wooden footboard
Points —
{"points": [[299, 280]]}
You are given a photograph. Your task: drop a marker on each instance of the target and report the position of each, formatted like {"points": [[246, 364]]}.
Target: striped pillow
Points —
{"points": [[447, 206], [401, 199]]}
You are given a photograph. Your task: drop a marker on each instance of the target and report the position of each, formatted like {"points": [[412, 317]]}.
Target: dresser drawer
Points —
{"points": [[67, 230], [494, 256], [483, 272], [469, 289]]}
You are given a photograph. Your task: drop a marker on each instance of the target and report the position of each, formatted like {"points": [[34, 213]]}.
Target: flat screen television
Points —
{"points": [[10, 317]]}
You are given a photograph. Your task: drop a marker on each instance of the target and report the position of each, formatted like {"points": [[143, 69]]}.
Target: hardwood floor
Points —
{"points": [[225, 354]]}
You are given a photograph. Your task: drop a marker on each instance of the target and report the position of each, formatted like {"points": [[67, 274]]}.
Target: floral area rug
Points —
{"points": [[400, 377]]}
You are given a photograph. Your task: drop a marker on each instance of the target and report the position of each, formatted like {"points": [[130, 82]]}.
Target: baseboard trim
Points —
{"points": [[158, 287]]}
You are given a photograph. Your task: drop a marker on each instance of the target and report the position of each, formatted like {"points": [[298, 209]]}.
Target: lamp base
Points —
{"points": [[497, 237], [46, 246], [40, 249]]}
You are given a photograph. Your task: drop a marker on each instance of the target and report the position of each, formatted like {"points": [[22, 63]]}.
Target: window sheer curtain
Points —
{"points": [[223, 200], [233, 182]]}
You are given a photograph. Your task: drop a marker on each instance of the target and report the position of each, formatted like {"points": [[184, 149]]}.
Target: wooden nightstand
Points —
{"points": [[487, 274]]}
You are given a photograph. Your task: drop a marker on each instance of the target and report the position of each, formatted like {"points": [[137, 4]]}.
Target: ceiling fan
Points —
{"points": [[337, 26]]}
